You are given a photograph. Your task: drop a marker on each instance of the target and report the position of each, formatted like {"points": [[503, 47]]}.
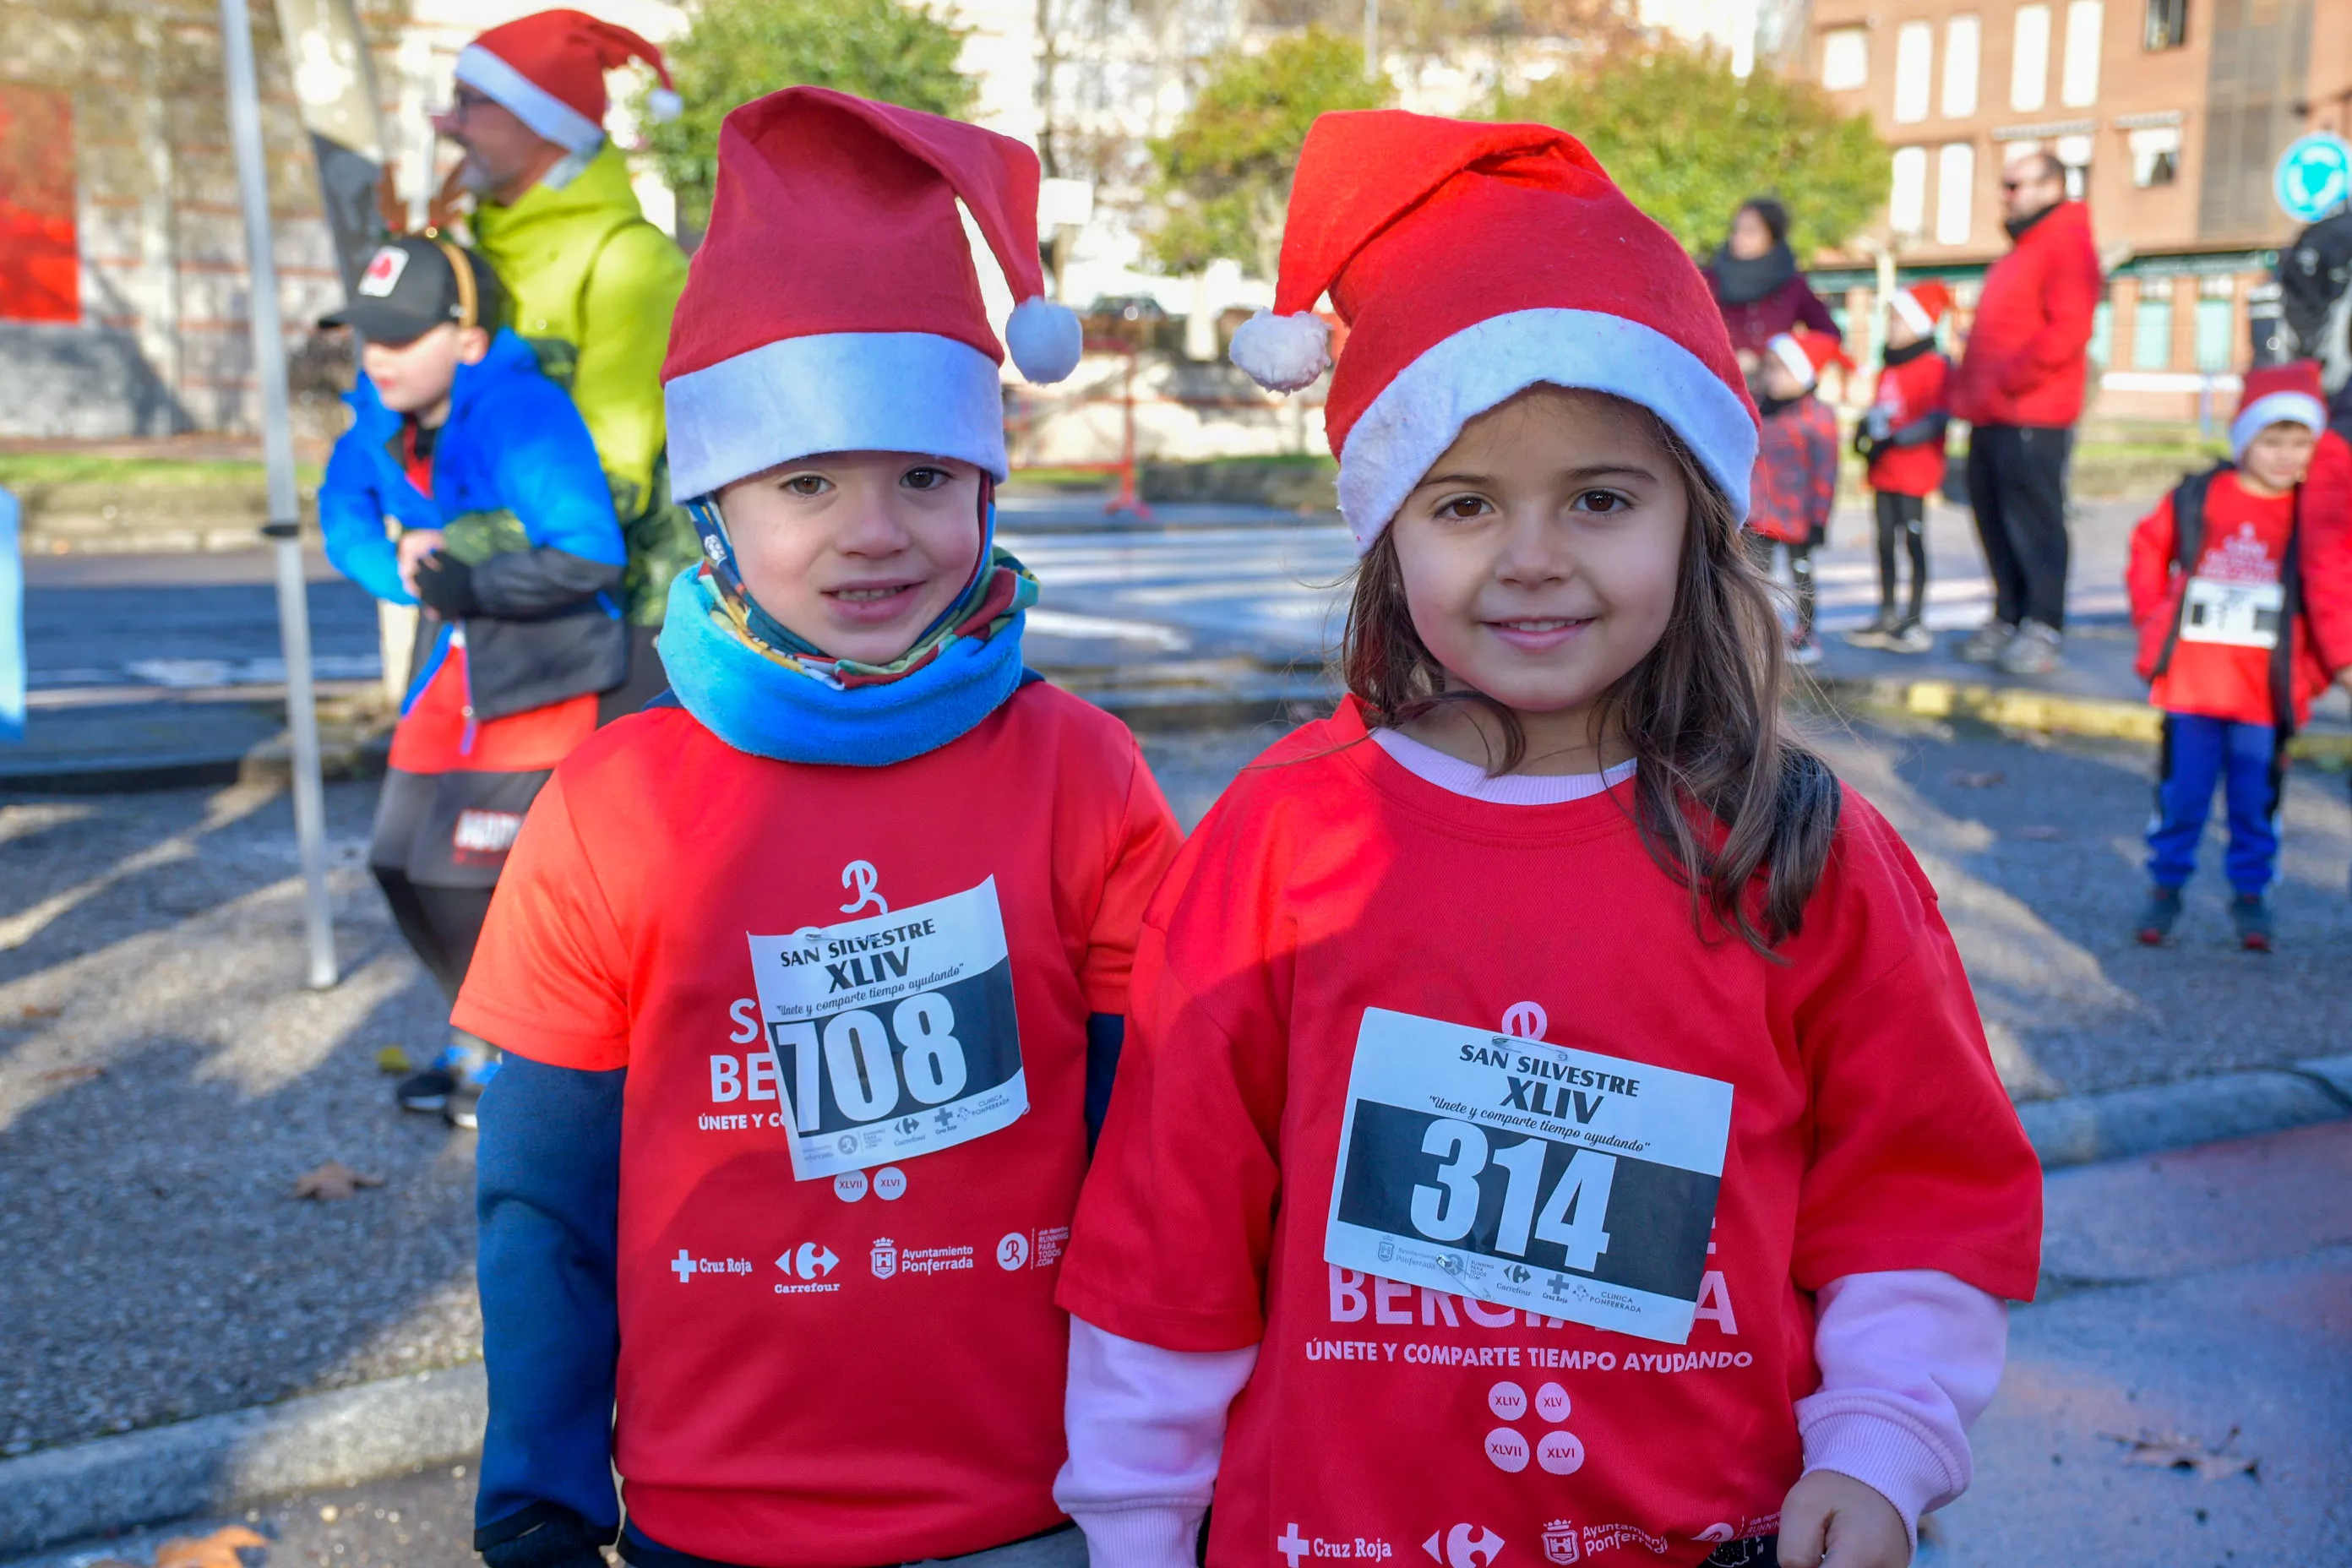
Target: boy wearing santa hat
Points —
{"points": [[812, 976], [2218, 599], [593, 282], [1796, 469], [1902, 438]]}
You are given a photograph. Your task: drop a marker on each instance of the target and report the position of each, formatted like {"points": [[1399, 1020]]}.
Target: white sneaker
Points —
{"points": [[1987, 642], [2033, 651], [1911, 638]]}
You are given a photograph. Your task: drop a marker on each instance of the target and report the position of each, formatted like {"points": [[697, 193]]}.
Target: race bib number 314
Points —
{"points": [[1528, 1175], [895, 1033]]}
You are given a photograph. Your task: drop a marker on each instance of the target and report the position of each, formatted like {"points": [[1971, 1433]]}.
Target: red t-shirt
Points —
{"points": [[1867, 1130], [2219, 666], [1909, 393], [868, 1368], [435, 736]]}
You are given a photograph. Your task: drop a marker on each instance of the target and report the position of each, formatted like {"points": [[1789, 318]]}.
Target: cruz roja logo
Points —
{"points": [[1365, 1549], [1466, 1546], [886, 1259], [809, 1262], [685, 1266]]}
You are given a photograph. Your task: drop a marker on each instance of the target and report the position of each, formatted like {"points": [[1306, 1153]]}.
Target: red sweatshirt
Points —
{"points": [[2222, 651], [2027, 356], [1385, 1037], [1907, 394]]}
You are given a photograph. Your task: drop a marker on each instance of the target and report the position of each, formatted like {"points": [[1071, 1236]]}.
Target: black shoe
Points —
{"points": [[2157, 917], [2253, 919], [428, 1090], [467, 1096]]}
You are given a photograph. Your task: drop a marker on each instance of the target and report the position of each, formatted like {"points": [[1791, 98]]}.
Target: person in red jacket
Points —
{"points": [[2229, 657], [1796, 469], [2020, 383], [1902, 440]]}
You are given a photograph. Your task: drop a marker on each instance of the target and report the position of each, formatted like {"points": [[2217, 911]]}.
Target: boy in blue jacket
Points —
{"points": [[467, 484]]}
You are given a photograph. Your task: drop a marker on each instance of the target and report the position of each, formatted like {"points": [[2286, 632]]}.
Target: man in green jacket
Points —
{"points": [[593, 282]]}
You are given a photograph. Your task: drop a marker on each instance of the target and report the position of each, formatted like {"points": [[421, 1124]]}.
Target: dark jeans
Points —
{"points": [[2017, 482], [1902, 523], [439, 843]]}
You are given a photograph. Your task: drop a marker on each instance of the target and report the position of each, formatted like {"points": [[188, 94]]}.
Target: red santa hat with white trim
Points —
{"points": [[833, 305], [1805, 354], [549, 68], [1922, 304], [2289, 393], [1471, 262]]}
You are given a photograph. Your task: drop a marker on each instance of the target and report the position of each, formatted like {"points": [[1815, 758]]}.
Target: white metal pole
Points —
{"points": [[1371, 40], [284, 515]]}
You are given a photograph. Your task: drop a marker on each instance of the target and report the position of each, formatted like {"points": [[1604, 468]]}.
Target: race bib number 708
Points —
{"points": [[895, 1033], [1528, 1175]]}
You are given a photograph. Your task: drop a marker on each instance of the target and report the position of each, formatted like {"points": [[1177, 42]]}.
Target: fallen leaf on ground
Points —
{"points": [[1967, 779], [332, 1181], [2174, 1452], [392, 1058], [44, 1012], [2040, 834], [72, 1075], [218, 1550]]}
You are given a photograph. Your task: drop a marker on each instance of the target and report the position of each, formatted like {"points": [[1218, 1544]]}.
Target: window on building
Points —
{"points": [[2155, 155], [1961, 36], [1955, 191], [40, 255], [1907, 204], [2167, 26], [2152, 325], [2078, 80], [1845, 58], [2029, 59], [2103, 332], [1915, 70], [2217, 299], [2073, 153]]}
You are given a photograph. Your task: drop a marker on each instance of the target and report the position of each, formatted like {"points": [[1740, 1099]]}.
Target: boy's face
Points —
{"points": [[1541, 553], [415, 376], [2278, 455], [856, 552], [1899, 332], [1778, 382]]}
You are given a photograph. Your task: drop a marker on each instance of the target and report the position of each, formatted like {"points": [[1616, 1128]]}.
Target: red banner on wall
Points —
{"points": [[40, 272]]}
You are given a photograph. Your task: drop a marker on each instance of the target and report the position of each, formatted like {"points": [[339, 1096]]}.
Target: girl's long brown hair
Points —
{"points": [[1724, 794]]}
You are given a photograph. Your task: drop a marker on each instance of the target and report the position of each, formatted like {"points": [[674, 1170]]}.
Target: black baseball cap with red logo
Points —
{"points": [[414, 284]]}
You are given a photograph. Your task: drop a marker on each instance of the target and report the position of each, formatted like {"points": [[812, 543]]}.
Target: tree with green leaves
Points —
{"points": [[1223, 176], [736, 50], [1688, 142]]}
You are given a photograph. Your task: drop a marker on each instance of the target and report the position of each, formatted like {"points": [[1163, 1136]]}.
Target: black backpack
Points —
{"points": [[2315, 280], [2188, 549]]}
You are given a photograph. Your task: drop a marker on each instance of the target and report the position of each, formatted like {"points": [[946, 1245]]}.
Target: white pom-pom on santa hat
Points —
{"points": [[664, 105], [1282, 353], [1045, 339]]}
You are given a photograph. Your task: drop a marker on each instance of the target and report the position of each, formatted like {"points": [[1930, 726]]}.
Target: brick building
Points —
{"points": [[2169, 116]]}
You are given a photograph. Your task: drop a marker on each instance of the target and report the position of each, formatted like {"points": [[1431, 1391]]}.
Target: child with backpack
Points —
{"points": [[810, 978], [1901, 438], [2218, 596], [507, 537], [1554, 1119], [1796, 470]]}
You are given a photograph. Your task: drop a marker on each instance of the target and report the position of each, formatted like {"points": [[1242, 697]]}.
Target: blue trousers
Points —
{"points": [[2199, 753]]}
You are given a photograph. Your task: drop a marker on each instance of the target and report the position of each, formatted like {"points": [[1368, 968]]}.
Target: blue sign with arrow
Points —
{"points": [[2315, 176]]}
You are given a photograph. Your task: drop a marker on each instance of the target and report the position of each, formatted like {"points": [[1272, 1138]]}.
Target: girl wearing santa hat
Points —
{"points": [[1796, 469], [810, 978], [1553, 1119], [1902, 438]]}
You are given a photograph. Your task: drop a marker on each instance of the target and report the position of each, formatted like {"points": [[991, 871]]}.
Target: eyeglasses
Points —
{"points": [[464, 102]]}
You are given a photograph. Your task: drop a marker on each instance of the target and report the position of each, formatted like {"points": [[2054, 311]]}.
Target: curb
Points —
{"points": [[216, 1462], [2022, 708], [2081, 1128]]}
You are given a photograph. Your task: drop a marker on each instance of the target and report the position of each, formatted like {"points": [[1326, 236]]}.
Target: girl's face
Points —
{"points": [[1541, 553], [856, 552]]}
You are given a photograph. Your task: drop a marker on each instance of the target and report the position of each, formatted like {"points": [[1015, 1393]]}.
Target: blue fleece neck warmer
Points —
{"points": [[770, 708]]}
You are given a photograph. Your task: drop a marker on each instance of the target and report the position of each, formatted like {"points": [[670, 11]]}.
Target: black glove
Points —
{"points": [[1865, 444], [552, 1537], [445, 584]]}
